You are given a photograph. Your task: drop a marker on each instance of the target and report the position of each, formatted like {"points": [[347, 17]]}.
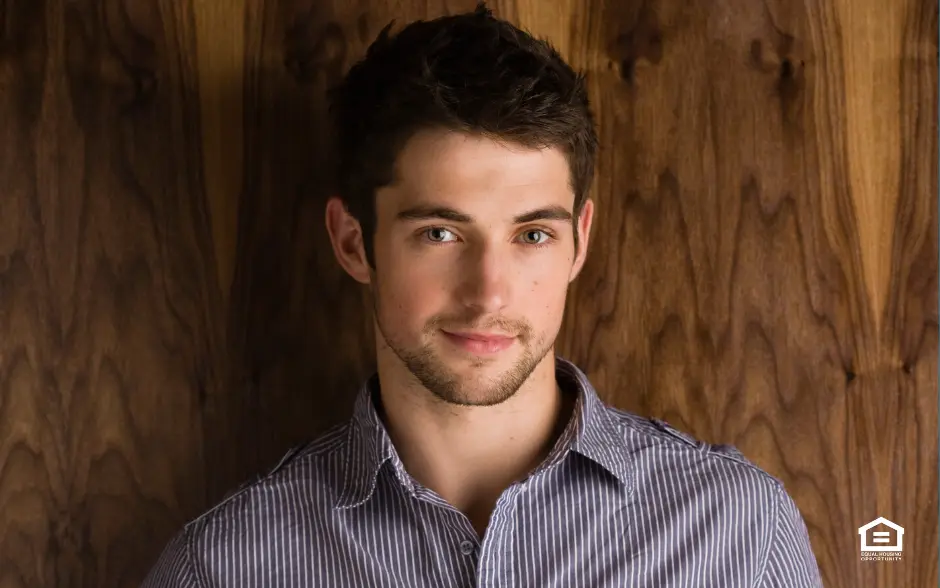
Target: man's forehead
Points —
{"points": [[448, 158]]}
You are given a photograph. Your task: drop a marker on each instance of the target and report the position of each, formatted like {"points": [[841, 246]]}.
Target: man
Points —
{"points": [[476, 456]]}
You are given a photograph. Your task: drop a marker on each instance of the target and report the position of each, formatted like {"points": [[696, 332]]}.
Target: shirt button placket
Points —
{"points": [[496, 570]]}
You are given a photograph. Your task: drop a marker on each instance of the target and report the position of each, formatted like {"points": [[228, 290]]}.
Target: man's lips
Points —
{"points": [[489, 337], [480, 344]]}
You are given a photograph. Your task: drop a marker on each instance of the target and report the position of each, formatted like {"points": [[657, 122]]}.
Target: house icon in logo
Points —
{"points": [[881, 540]]}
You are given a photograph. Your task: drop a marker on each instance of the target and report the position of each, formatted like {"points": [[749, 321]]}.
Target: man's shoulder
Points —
{"points": [[734, 509], [305, 473], [258, 517], [666, 447]]}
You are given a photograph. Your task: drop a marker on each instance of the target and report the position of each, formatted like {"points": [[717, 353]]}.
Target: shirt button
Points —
{"points": [[466, 547]]}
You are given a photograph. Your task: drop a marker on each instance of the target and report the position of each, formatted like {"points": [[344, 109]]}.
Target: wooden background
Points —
{"points": [[172, 319]]}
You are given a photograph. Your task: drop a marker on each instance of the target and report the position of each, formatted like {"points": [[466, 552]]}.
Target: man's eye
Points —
{"points": [[536, 240], [437, 234]]}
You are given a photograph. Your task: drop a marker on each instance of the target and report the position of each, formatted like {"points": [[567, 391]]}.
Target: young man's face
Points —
{"points": [[483, 273]]}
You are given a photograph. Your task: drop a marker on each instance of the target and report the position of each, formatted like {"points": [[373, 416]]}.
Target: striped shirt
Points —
{"points": [[621, 500]]}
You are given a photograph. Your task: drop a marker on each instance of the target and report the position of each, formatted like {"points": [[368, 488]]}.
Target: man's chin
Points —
{"points": [[461, 362]]}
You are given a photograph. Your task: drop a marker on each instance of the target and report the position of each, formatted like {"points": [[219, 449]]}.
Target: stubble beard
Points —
{"points": [[433, 373]]}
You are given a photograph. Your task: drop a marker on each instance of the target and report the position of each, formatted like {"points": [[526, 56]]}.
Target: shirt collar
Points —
{"points": [[592, 432]]}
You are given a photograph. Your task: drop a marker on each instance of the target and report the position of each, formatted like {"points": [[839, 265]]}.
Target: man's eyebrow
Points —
{"points": [[426, 212], [559, 213]]}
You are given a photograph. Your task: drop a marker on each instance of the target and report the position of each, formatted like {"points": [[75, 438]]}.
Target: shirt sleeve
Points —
{"points": [[790, 561], [174, 568]]}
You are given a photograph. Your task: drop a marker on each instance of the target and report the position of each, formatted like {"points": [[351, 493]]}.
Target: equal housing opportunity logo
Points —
{"points": [[881, 540]]}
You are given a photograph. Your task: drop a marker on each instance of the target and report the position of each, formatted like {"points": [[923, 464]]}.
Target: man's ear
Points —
{"points": [[346, 238], [584, 234]]}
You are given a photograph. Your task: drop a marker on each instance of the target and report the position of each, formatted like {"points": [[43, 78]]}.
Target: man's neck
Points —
{"points": [[469, 455]]}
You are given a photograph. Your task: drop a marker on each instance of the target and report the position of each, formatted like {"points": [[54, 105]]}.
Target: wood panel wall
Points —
{"points": [[763, 272]]}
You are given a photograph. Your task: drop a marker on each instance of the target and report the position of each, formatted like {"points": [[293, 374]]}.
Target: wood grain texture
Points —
{"points": [[763, 268], [109, 328]]}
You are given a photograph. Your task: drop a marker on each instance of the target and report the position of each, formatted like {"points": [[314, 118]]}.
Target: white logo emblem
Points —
{"points": [[881, 543]]}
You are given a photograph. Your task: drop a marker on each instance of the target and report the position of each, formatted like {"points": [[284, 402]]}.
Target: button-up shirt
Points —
{"points": [[621, 500]]}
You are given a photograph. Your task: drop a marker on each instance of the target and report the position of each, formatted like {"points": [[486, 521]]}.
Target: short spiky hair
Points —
{"points": [[469, 72]]}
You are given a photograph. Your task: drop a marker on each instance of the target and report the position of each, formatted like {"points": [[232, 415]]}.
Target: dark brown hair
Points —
{"points": [[471, 73]]}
